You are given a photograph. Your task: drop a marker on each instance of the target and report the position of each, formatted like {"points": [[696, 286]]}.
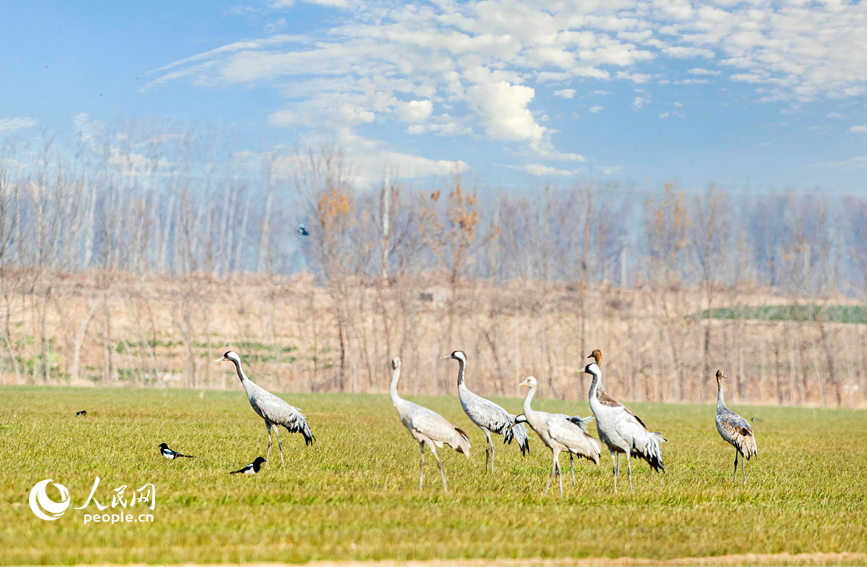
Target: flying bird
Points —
{"points": [[621, 430], [302, 231], [275, 411], [252, 468], [734, 429], [559, 433], [487, 415], [426, 426], [81, 413], [171, 455]]}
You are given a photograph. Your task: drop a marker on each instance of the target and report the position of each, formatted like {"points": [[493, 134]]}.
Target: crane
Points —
{"points": [[488, 416], [621, 430], [734, 429], [426, 426], [559, 433], [275, 411]]}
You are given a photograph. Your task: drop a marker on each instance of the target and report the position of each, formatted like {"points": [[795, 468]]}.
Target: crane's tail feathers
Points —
{"points": [[519, 433], [300, 426], [582, 422], [659, 437], [650, 453], [462, 443]]}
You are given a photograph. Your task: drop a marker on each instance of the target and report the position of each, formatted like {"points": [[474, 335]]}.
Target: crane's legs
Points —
{"points": [[555, 454], [743, 471], [735, 477], [279, 444], [421, 469], [268, 456], [491, 446], [560, 476], [615, 465], [629, 470], [572, 466], [440, 465]]}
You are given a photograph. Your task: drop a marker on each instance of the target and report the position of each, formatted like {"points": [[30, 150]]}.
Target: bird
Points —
{"points": [[275, 411], [81, 413], [252, 468], [621, 430], [734, 429], [559, 433], [302, 231], [426, 426], [755, 420], [171, 455], [487, 415]]}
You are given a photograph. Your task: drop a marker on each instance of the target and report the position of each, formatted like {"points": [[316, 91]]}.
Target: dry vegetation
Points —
{"points": [[133, 256]]}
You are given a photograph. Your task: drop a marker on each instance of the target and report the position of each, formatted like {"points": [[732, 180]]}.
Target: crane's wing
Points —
{"points": [[436, 428], [735, 429], [278, 411], [564, 431]]}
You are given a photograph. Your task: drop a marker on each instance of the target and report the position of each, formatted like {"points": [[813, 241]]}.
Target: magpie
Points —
{"points": [[81, 413], [302, 231], [252, 468], [169, 454]]}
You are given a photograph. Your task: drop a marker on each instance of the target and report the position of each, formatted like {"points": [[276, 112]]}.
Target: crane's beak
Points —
{"points": [[221, 359], [445, 357], [577, 372], [522, 384]]}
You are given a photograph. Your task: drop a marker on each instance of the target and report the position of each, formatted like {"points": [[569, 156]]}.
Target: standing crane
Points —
{"points": [[426, 426], [734, 429], [621, 430], [559, 433], [487, 415], [273, 410]]}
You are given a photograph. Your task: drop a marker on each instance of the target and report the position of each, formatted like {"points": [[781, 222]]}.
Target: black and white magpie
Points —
{"points": [[302, 231], [252, 468], [169, 454], [81, 413]]}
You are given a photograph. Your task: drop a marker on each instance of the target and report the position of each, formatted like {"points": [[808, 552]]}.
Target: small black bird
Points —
{"points": [[755, 419], [81, 413], [302, 231], [169, 454], [252, 468]]}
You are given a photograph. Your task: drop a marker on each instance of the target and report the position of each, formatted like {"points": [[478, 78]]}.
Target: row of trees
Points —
{"points": [[130, 253]]}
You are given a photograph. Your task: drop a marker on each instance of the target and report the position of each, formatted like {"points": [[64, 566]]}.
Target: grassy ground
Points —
{"points": [[353, 495]]}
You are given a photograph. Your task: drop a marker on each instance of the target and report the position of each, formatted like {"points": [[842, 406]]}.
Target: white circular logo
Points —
{"points": [[40, 501]]}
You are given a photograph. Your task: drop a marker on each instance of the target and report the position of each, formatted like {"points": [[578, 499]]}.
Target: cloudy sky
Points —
{"points": [[757, 95]]}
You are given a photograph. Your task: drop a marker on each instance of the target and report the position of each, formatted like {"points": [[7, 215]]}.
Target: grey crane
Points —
{"points": [[273, 410], [426, 426], [488, 416], [621, 430], [559, 433], [734, 429]]}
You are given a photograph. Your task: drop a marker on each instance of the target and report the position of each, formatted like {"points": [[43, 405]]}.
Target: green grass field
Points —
{"points": [[353, 495]]}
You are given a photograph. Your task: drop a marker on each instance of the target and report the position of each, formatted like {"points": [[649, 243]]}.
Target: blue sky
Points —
{"points": [[749, 95]]}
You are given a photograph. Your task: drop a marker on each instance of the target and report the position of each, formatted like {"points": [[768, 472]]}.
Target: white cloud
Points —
{"points": [[539, 169], [274, 26], [699, 71], [483, 61], [835, 115], [664, 115], [11, 124], [639, 102], [596, 108], [415, 110], [612, 170], [601, 93], [858, 129]]}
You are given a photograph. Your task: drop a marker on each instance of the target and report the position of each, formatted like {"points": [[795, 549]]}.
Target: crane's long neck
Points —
{"points": [[528, 411], [395, 378], [594, 386], [240, 370], [462, 368], [720, 398]]}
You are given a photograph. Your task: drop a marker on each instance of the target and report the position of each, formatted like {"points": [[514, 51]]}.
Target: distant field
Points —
{"points": [[353, 495], [853, 314]]}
